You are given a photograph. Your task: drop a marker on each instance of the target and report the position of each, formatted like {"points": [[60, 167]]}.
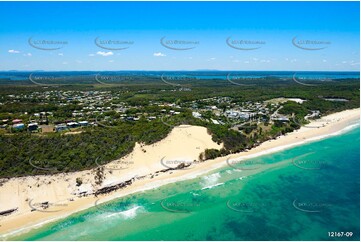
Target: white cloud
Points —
{"points": [[159, 54], [61, 54], [102, 53], [14, 51], [91, 55], [27, 54], [111, 61], [352, 63]]}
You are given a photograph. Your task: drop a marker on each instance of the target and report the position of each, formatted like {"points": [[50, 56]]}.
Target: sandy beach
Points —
{"points": [[62, 197]]}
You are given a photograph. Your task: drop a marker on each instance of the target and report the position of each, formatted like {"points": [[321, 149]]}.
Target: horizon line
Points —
{"points": [[200, 70]]}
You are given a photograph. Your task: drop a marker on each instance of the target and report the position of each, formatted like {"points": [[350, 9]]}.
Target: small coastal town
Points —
{"points": [[94, 108]]}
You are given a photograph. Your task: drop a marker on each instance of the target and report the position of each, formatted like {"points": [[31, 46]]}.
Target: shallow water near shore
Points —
{"points": [[301, 193]]}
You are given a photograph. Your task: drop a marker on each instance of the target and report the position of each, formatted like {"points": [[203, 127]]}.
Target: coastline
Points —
{"points": [[24, 220]]}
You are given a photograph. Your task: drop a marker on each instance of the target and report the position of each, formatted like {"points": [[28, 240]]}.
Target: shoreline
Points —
{"points": [[334, 124]]}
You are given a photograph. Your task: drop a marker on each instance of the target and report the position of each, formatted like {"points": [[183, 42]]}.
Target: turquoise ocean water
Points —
{"points": [[304, 193]]}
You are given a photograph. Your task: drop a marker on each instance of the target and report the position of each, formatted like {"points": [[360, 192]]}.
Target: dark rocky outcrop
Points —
{"points": [[108, 189], [8, 212]]}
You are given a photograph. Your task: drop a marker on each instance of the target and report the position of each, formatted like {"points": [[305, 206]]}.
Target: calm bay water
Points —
{"points": [[15, 76], [298, 194]]}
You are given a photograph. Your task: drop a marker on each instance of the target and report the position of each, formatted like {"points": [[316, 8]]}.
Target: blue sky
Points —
{"points": [[261, 36]]}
